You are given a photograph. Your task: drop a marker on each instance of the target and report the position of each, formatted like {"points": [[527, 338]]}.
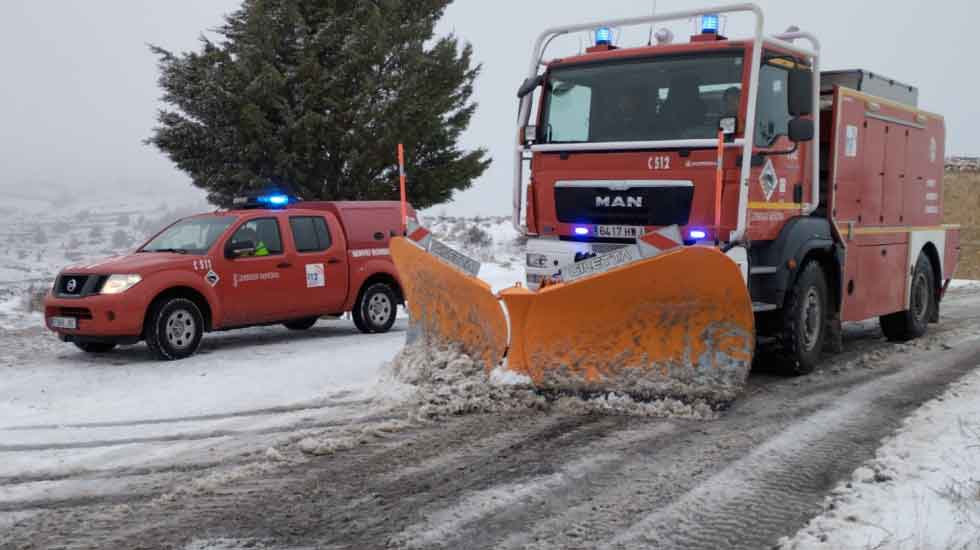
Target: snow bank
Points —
{"points": [[922, 491], [450, 383]]}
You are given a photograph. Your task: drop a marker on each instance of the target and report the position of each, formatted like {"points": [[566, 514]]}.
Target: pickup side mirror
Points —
{"points": [[529, 85], [800, 92], [239, 249], [800, 130]]}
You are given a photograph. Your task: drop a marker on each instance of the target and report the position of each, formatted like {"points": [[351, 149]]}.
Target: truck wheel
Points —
{"points": [[174, 329], [95, 347], [375, 309], [913, 323], [805, 320], [301, 324]]}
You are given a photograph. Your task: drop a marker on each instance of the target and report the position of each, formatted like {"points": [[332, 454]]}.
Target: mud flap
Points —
{"points": [[448, 307], [678, 325]]}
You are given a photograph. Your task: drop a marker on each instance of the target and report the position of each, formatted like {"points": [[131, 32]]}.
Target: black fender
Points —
{"points": [[801, 238]]}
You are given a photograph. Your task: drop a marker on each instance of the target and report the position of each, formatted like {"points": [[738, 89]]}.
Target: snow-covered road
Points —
{"points": [[277, 440]]}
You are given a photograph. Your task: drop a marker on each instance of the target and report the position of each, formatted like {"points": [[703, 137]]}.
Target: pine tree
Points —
{"points": [[316, 95]]}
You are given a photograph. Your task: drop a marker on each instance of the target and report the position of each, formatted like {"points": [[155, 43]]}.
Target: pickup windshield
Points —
{"points": [[190, 236], [668, 98]]}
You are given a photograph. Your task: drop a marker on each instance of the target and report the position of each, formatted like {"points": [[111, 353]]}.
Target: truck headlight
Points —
{"points": [[537, 260], [117, 284]]}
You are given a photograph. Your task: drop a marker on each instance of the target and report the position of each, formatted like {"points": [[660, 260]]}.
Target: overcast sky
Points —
{"points": [[79, 94]]}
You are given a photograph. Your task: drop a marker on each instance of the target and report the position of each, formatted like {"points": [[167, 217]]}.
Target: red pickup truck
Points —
{"points": [[270, 262]]}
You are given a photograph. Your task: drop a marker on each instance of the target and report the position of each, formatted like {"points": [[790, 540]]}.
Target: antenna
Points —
{"points": [[652, 12]]}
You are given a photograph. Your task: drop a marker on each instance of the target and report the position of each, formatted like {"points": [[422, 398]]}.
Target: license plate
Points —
{"points": [[618, 231], [64, 322]]}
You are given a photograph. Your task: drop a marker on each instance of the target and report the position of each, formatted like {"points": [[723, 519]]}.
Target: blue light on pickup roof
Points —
{"points": [[698, 235], [275, 200], [581, 231], [710, 24]]}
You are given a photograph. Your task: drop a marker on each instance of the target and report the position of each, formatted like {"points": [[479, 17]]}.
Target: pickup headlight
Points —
{"points": [[537, 260], [117, 284]]}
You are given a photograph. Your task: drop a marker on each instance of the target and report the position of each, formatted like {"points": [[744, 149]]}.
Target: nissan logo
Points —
{"points": [[619, 202], [71, 286]]}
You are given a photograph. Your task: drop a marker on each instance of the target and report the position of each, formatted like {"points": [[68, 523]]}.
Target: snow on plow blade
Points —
{"points": [[676, 325], [449, 307]]}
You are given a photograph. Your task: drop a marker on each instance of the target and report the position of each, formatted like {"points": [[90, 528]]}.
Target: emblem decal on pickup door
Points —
{"points": [[212, 278], [315, 277]]}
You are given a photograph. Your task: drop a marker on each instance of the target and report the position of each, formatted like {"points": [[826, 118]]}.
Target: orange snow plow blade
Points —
{"points": [[448, 307], [676, 325]]}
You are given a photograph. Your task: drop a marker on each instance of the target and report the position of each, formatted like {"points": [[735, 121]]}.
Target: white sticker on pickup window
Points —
{"points": [[315, 277]]}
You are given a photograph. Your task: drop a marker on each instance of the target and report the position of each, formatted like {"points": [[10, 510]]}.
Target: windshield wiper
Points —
{"points": [[165, 250]]}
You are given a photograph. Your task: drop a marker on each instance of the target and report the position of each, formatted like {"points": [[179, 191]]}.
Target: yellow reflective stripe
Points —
{"points": [[775, 206], [891, 230]]}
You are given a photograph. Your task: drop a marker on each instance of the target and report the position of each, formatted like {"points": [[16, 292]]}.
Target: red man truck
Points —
{"points": [[688, 199], [271, 261]]}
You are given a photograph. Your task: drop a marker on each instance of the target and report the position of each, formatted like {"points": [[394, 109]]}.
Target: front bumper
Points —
{"points": [[100, 318]]}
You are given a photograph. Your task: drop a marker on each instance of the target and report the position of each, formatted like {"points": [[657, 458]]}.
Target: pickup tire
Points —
{"points": [[95, 347], [174, 329], [913, 323], [301, 324], [375, 309]]}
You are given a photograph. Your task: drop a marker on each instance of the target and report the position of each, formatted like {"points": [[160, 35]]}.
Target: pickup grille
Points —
{"points": [[644, 203], [78, 286]]}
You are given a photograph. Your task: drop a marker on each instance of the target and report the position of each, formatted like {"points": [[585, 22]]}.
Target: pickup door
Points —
{"points": [[321, 257]]}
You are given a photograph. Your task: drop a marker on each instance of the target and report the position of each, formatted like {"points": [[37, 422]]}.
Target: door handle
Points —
{"points": [[333, 261], [284, 265]]}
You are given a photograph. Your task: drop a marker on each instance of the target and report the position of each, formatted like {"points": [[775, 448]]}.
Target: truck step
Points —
{"points": [[762, 270], [759, 307]]}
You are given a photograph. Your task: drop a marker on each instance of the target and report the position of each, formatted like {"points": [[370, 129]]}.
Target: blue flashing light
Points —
{"points": [[710, 24], [275, 200], [698, 234], [581, 231], [603, 36]]}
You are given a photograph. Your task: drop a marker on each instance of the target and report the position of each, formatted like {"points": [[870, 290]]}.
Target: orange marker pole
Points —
{"points": [[719, 182], [401, 178]]}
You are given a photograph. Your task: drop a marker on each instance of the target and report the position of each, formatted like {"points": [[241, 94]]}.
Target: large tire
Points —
{"points": [[923, 306], [376, 309], [805, 317], [174, 329], [301, 324], [95, 347]]}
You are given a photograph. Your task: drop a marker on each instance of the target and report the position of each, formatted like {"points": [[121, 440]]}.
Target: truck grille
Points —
{"points": [[652, 203]]}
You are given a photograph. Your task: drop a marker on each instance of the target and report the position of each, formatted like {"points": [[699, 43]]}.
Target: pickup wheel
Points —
{"points": [[805, 320], [376, 309], [913, 323], [95, 347], [301, 324], [174, 329]]}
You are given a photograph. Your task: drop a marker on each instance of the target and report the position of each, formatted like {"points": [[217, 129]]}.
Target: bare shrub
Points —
{"points": [[33, 299], [477, 237]]}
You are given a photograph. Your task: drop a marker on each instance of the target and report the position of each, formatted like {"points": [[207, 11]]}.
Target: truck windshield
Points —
{"points": [[659, 99], [190, 236]]}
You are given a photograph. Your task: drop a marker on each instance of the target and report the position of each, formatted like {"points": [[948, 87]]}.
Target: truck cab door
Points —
{"points": [[252, 290], [321, 254]]}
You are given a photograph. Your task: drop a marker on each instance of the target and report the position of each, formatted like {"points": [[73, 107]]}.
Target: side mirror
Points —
{"points": [[801, 130], [239, 249], [529, 85], [800, 92]]}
